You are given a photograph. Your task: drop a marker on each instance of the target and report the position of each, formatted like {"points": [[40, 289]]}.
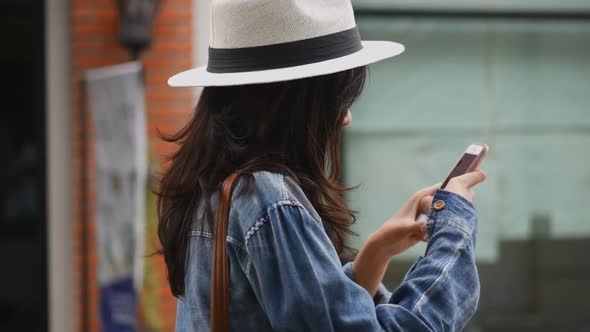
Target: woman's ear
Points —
{"points": [[347, 119]]}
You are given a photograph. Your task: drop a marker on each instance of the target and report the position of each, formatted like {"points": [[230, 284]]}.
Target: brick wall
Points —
{"points": [[94, 44]]}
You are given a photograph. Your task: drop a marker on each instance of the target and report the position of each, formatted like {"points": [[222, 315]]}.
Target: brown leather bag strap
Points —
{"points": [[220, 263]]}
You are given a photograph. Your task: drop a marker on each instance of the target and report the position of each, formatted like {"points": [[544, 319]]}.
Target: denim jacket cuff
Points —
{"points": [[456, 211], [381, 296]]}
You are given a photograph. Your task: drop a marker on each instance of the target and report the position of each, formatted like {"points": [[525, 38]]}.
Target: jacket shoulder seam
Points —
{"points": [[260, 222]]}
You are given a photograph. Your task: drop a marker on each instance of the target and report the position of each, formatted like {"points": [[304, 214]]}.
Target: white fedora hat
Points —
{"points": [[262, 41]]}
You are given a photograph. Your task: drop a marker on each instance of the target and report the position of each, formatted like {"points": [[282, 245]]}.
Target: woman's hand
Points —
{"points": [[463, 185], [398, 233], [402, 231]]}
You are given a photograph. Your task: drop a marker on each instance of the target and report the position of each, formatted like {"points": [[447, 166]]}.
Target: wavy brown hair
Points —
{"points": [[291, 127]]}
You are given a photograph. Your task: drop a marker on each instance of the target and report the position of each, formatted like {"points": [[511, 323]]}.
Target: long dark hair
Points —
{"points": [[291, 127]]}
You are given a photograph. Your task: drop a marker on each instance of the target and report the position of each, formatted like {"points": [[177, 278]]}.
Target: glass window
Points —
{"points": [[520, 86], [504, 5]]}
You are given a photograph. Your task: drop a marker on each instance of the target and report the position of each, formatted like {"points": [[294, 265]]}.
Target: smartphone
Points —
{"points": [[472, 157]]}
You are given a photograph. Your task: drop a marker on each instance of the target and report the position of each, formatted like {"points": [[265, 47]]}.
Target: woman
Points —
{"points": [[281, 78]]}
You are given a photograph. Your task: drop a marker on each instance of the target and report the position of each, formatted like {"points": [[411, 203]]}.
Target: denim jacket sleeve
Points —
{"points": [[297, 277]]}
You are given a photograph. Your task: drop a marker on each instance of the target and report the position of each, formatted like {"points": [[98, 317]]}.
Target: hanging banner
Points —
{"points": [[117, 104]]}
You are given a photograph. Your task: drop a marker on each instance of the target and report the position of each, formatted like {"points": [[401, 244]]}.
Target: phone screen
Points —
{"points": [[468, 162], [461, 167]]}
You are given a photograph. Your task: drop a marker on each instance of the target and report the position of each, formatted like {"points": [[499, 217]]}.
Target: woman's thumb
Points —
{"points": [[472, 178]]}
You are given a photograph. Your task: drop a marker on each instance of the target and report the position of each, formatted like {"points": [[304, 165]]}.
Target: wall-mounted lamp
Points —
{"points": [[136, 21]]}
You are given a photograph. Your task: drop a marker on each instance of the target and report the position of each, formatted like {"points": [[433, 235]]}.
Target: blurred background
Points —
{"points": [[512, 74]]}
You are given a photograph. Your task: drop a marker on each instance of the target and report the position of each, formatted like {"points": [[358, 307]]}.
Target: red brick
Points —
{"points": [[94, 44]]}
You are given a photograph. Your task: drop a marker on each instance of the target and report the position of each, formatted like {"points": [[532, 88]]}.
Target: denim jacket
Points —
{"points": [[285, 274]]}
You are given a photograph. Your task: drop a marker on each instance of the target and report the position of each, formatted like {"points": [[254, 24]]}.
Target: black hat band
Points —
{"points": [[301, 52]]}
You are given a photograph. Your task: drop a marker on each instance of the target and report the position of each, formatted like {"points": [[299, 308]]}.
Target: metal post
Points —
{"points": [[84, 216]]}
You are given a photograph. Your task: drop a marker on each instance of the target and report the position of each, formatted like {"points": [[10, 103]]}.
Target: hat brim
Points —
{"points": [[372, 51]]}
